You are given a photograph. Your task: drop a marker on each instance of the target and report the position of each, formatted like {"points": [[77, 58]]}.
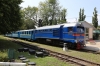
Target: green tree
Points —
{"points": [[30, 17], [51, 13], [94, 18], [95, 22], [10, 16], [63, 16], [81, 15], [43, 13]]}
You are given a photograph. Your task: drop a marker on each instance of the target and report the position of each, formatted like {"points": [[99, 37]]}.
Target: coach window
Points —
{"points": [[23, 32], [29, 32], [50, 29], [35, 31], [26, 32], [40, 30], [46, 30], [70, 29]]}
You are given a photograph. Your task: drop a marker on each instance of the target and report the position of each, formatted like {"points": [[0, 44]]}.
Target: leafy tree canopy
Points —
{"points": [[10, 17]]}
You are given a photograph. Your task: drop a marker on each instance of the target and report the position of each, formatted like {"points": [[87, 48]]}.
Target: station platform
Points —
{"points": [[93, 45]]}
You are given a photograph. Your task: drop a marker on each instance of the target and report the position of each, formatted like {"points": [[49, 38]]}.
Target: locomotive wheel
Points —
{"points": [[73, 46], [68, 45]]}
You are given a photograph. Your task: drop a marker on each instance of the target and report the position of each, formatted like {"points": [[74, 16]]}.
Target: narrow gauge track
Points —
{"points": [[89, 51], [71, 59], [66, 58]]}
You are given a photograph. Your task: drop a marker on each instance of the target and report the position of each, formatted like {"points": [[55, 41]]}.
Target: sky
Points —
{"points": [[73, 7]]}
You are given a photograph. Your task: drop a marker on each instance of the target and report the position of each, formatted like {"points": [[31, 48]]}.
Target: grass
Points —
{"points": [[43, 61], [6, 44], [83, 55]]}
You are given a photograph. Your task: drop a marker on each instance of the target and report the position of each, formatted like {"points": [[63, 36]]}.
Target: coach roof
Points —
{"points": [[26, 30]]}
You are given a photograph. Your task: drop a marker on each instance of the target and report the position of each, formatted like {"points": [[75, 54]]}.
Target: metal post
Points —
{"points": [[65, 47], [85, 35]]}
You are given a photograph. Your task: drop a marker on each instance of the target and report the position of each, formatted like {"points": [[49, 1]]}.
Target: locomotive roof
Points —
{"points": [[57, 26]]}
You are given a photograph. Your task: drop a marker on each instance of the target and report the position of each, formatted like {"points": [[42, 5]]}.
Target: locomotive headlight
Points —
{"points": [[76, 41]]}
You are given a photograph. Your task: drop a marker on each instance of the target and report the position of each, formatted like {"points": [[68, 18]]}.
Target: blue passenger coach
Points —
{"points": [[15, 34], [27, 34]]}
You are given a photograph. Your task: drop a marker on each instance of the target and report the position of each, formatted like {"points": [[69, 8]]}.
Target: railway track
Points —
{"points": [[63, 57], [89, 51], [71, 59]]}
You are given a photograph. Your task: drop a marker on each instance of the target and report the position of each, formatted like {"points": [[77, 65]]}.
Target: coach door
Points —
{"points": [[32, 35]]}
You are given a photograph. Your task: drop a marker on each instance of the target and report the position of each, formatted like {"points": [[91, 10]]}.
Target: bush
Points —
{"points": [[95, 36], [4, 59], [4, 56]]}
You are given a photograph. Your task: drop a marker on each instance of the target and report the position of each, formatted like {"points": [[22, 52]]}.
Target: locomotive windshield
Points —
{"points": [[80, 29]]}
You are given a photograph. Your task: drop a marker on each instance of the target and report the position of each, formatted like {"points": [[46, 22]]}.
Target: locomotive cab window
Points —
{"points": [[70, 29], [80, 29]]}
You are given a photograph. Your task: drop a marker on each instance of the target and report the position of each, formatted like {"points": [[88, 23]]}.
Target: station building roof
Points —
{"points": [[87, 25]]}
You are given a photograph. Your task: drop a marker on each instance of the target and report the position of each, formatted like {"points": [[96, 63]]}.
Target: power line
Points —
{"points": [[76, 18]]}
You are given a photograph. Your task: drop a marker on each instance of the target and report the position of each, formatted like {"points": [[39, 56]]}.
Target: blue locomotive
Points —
{"points": [[70, 33]]}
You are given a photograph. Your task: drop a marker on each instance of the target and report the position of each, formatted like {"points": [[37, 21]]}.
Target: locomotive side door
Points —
{"points": [[61, 32]]}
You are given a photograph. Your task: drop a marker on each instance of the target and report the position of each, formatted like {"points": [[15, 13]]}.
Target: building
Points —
{"points": [[88, 30]]}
